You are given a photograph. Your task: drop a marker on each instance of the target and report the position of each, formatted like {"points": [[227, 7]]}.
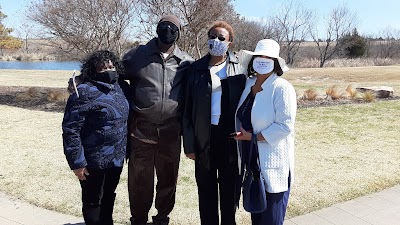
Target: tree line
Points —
{"points": [[6, 40], [78, 27]]}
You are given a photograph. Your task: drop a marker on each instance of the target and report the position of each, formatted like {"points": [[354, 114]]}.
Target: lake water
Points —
{"points": [[40, 65]]}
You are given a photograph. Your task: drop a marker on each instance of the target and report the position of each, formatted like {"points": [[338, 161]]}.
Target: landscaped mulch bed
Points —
{"points": [[34, 98]]}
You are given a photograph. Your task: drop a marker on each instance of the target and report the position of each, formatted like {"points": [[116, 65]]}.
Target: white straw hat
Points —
{"points": [[266, 47]]}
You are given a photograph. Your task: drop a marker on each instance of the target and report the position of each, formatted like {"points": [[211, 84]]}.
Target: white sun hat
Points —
{"points": [[266, 47]]}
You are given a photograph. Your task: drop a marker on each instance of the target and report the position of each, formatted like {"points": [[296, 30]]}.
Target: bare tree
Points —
{"points": [[248, 33], [341, 21], [272, 30], [201, 15], [196, 17], [148, 13], [389, 43], [293, 21], [26, 32], [84, 26]]}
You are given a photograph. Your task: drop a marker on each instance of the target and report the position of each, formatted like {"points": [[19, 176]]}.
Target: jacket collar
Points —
{"points": [[101, 84], [266, 83], [269, 80], [202, 63], [232, 57], [152, 48], [251, 81]]}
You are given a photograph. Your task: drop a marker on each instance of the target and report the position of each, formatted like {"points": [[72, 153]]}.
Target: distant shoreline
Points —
{"points": [[40, 65]]}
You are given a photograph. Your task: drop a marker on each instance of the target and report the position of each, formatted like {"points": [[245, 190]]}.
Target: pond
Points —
{"points": [[40, 65]]}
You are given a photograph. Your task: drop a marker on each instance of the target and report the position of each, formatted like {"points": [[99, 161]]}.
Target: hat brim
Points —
{"points": [[245, 57]]}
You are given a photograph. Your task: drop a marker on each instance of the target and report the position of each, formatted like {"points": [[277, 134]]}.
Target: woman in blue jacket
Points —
{"points": [[95, 134]]}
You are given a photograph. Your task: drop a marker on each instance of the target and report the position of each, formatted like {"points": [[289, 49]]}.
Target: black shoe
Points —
{"points": [[157, 221]]}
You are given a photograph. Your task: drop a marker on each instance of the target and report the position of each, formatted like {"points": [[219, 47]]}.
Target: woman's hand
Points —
{"points": [[191, 156], [246, 136], [81, 173]]}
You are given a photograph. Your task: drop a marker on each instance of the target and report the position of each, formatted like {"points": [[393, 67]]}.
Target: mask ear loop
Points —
{"points": [[252, 71], [250, 67], [74, 83]]}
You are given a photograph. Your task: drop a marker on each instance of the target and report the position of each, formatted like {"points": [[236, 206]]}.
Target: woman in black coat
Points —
{"points": [[214, 86]]}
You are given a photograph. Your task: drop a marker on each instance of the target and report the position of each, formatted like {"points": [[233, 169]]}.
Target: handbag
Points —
{"points": [[254, 195]]}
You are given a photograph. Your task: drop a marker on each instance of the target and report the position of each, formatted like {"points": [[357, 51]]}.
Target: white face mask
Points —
{"points": [[217, 47], [263, 65]]}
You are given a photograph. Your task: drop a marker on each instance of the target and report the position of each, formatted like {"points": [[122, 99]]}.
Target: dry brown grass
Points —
{"points": [[27, 57], [36, 78], [335, 161], [307, 62], [333, 94], [33, 92], [342, 152], [57, 96], [321, 79], [309, 95], [39, 49], [36, 98], [351, 92], [369, 96]]}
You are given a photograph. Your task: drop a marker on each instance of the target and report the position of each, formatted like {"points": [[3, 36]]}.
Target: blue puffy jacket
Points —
{"points": [[95, 126]]}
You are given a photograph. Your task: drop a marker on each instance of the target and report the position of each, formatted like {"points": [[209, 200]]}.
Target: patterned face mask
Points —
{"points": [[217, 47]]}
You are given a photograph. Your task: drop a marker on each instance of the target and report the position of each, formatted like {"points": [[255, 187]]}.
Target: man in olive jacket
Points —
{"points": [[156, 72]]}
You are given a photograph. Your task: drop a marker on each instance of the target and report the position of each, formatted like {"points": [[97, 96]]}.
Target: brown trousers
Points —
{"points": [[161, 155]]}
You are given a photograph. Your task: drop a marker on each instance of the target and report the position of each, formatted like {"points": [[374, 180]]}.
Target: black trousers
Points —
{"points": [[98, 195], [220, 180], [161, 157]]}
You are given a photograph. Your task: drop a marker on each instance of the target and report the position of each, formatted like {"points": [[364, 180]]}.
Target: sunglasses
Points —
{"points": [[168, 26], [211, 37]]}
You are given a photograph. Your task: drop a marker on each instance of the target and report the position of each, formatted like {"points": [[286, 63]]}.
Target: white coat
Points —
{"points": [[273, 114]]}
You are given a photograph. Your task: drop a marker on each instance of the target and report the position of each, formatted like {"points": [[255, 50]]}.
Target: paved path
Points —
{"points": [[16, 212], [382, 208]]}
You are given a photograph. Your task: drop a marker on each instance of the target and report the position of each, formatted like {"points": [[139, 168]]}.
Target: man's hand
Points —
{"points": [[81, 173]]}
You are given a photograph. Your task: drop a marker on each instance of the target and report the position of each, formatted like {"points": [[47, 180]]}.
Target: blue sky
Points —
{"points": [[373, 16]]}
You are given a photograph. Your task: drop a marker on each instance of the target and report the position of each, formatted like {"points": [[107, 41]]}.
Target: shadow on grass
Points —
{"points": [[74, 223]]}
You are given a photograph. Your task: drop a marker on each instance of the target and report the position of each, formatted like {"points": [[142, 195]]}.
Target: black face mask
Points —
{"points": [[167, 33], [109, 77]]}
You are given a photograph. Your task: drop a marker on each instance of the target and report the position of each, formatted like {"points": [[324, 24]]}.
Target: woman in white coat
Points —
{"points": [[267, 109]]}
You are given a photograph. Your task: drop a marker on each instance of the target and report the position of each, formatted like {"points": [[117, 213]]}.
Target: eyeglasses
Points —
{"points": [[211, 36], [168, 26]]}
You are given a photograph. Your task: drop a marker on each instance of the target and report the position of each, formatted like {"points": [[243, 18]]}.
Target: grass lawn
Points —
{"points": [[342, 152]]}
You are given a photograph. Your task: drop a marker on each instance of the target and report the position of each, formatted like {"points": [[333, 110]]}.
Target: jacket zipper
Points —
{"points": [[163, 89]]}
